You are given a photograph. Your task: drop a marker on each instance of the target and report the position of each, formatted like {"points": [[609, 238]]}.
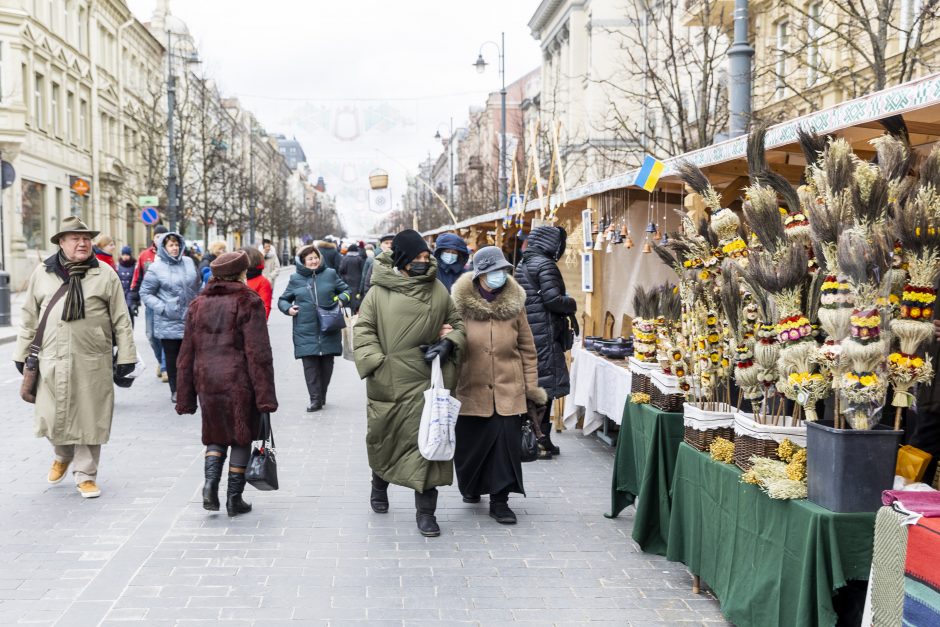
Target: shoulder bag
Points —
{"points": [[31, 367], [531, 432], [331, 318], [262, 465]]}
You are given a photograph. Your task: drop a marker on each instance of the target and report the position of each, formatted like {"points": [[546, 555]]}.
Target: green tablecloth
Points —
{"points": [[646, 456], [769, 562]]}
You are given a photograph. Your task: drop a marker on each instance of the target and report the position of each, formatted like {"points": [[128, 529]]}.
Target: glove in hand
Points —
{"points": [[441, 349], [122, 370]]}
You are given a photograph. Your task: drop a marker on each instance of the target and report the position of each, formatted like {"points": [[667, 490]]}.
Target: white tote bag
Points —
{"points": [[348, 335], [438, 419]]}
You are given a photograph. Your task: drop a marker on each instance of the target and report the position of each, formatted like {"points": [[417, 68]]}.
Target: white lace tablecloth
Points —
{"points": [[599, 387]]}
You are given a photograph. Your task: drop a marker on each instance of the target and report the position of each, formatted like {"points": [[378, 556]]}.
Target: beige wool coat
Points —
{"points": [[499, 370], [75, 392]]}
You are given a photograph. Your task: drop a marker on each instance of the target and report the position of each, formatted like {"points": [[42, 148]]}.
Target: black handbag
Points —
{"points": [[262, 465], [530, 444], [331, 318]]}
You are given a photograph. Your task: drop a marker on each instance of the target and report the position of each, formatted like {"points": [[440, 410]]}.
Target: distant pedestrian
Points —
{"points": [[170, 285], [406, 309], [548, 307], [498, 374], [452, 256], [350, 270], [329, 253], [213, 250], [313, 283], [256, 280], [104, 251], [75, 390], [271, 263], [226, 367], [144, 261], [125, 269], [385, 245]]}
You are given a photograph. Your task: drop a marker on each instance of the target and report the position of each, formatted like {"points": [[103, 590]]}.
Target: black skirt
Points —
{"points": [[487, 455]]}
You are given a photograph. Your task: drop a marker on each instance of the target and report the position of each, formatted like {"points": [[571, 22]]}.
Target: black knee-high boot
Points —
{"points": [[236, 486], [210, 489], [379, 497], [425, 506]]}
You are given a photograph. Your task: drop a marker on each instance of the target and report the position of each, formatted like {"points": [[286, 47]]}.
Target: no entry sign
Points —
{"points": [[150, 216]]}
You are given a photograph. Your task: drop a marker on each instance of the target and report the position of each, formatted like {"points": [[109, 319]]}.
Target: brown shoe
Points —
{"points": [[57, 472], [89, 490], [165, 377]]}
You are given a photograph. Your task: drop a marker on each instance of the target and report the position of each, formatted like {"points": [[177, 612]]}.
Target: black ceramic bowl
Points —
{"points": [[589, 341]]}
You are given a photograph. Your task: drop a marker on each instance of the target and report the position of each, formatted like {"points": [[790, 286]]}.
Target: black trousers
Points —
{"points": [[318, 370], [171, 350], [546, 424]]}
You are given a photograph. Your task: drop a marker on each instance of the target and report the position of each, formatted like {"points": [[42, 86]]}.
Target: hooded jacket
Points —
{"points": [[125, 270], [547, 305], [449, 273], [329, 254], [170, 284], [261, 286], [308, 340], [398, 316]]}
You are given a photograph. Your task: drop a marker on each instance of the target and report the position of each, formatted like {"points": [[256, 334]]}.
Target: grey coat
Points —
{"points": [[169, 286]]}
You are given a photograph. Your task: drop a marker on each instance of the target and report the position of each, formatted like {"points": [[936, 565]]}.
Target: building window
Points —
{"points": [[83, 123], [783, 41], [56, 115], [39, 112], [813, 35], [32, 214], [69, 117], [59, 207]]}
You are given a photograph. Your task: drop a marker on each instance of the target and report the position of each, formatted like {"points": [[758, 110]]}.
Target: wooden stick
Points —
{"points": [[897, 418], [740, 394]]}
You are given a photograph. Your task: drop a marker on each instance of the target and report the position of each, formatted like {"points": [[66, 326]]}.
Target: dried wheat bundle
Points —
{"points": [[692, 176], [763, 216]]}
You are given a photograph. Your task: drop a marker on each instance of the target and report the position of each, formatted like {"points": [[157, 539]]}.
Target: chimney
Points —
{"points": [[739, 60], [321, 184]]}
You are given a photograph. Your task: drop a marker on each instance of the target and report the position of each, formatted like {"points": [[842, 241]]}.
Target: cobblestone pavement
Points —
{"points": [[313, 553]]}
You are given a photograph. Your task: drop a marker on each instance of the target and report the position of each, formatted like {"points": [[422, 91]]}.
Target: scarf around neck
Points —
{"points": [[74, 308]]}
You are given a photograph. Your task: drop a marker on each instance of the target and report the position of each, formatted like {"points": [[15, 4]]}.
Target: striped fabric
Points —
{"points": [[922, 574], [887, 580]]}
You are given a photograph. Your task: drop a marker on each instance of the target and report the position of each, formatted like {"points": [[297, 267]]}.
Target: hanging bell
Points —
{"points": [[647, 247], [657, 236], [599, 243], [610, 247], [651, 227], [623, 230], [595, 229], [628, 242], [664, 240], [617, 238]]}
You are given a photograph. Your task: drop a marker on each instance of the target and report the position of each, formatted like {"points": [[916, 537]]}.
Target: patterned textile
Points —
{"points": [[887, 580], [921, 575]]}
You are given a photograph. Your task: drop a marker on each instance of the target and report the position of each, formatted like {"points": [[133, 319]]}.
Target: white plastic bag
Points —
{"points": [[348, 335], [438, 419]]}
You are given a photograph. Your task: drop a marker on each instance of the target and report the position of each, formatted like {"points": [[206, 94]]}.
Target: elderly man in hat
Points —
{"points": [[80, 306]]}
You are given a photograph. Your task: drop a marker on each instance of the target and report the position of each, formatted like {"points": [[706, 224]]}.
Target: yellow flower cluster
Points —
{"points": [[750, 477], [786, 449], [796, 469], [866, 379], [803, 378], [870, 321], [722, 450], [906, 361], [834, 285], [640, 398], [734, 246], [919, 297]]}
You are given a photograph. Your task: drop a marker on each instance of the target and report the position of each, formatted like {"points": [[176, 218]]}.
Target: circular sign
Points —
{"points": [[150, 216], [9, 174]]}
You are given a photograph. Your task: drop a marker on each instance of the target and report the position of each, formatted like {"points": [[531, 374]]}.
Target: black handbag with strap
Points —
{"points": [[331, 318], [31, 366], [262, 465]]}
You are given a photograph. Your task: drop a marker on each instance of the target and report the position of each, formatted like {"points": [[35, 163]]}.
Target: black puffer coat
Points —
{"points": [[547, 305]]}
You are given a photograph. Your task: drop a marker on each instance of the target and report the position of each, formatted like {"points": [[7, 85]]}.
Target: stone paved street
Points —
{"points": [[313, 553]]}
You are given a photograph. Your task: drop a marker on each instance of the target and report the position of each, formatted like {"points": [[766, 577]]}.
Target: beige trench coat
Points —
{"points": [[75, 393]]}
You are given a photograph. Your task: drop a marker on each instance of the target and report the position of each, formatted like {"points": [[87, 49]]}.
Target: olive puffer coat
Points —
{"points": [[547, 305], [397, 317], [170, 284], [308, 341]]}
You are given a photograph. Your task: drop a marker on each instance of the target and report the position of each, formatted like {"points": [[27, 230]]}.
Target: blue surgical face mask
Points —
{"points": [[448, 258], [496, 279]]}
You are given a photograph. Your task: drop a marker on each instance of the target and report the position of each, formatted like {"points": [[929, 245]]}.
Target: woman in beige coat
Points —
{"points": [[498, 374]]}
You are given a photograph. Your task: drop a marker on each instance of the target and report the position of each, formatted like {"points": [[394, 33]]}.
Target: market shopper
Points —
{"points": [[256, 280], [104, 251], [213, 250], [406, 309], [125, 270], [385, 245], [169, 286], [548, 307], [314, 284], [452, 256], [329, 253], [144, 262], [75, 388], [225, 366], [498, 374], [350, 270], [272, 264]]}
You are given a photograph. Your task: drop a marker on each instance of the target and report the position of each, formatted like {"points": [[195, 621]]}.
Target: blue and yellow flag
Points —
{"points": [[649, 173]]}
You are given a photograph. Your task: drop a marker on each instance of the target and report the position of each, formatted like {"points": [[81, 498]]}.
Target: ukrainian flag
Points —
{"points": [[649, 173]]}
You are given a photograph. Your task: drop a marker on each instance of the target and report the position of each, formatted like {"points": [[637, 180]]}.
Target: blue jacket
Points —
{"points": [[449, 273], [308, 340], [170, 284]]}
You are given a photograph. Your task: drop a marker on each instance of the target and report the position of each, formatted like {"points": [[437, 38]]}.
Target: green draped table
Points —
{"points": [[643, 469], [769, 562]]}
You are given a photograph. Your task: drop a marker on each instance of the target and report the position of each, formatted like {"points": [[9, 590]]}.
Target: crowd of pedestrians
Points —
{"points": [[500, 334]]}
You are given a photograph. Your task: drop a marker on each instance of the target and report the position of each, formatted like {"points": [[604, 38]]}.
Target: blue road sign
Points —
{"points": [[150, 216]]}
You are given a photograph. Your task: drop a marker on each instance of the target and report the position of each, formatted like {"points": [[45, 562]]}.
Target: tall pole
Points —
{"points": [[251, 187], [502, 151], [171, 193], [450, 158], [739, 56]]}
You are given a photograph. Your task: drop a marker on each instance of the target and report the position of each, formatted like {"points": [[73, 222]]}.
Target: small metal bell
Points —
{"points": [[647, 247], [664, 240], [610, 247], [628, 242], [599, 243], [651, 227], [623, 230]]}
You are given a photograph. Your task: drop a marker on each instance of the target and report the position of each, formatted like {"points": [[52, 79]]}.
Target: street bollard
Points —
{"points": [[5, 319]]}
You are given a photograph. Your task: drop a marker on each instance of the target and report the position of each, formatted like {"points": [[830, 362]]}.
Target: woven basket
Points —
{"points": [[642, 375], [666, 394], [702, 426], [752, 438]]}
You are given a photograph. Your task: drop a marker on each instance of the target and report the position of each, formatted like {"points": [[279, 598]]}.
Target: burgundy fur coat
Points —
{"points": [[226, 361]]}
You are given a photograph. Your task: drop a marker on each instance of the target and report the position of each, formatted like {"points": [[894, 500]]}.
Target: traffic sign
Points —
{"points": [[9, 174], [150, 216], [79, 185], [148, 201]]}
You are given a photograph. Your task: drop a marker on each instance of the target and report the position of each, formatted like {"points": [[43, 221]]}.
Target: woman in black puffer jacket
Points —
{"points": [[548, 308]]}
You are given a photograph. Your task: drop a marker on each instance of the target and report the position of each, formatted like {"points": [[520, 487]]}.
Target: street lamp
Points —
{"points": [[172, 194], [480, 65]]}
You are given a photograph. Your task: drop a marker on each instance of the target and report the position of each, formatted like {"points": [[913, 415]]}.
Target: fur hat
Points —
{"points": [[230, 264]]}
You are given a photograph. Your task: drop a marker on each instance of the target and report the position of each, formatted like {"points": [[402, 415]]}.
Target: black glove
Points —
{"points": [[441, 349], [19, 366], [134, 310], [122, 370]]}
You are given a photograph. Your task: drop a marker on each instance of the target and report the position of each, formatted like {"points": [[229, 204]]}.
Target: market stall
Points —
{"points": [[599, 390]]}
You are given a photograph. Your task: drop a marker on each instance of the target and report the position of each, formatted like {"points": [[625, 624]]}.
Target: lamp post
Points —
{"points": [[480, 65], [172, 193]]}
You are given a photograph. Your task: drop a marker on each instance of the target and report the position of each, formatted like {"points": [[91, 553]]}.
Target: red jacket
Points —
{"points": [[260, 285]]}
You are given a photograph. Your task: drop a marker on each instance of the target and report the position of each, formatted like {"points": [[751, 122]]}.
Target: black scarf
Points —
{"points": [[74, 308]]}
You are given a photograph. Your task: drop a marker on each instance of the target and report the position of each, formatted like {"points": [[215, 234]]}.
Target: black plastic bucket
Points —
{"points": [[848, 469]]}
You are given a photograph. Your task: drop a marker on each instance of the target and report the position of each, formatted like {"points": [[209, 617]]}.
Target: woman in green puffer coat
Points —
{"points": [[406, 319]]}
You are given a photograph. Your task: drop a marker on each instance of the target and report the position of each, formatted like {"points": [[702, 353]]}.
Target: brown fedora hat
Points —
{"points": [[72, 224]]}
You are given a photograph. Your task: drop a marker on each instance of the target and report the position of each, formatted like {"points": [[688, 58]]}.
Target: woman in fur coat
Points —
{"points": [[226, 363], [499, 373]]}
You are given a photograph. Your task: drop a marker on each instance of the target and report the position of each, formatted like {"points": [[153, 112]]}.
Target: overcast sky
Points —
{"points": [[361, 83]]}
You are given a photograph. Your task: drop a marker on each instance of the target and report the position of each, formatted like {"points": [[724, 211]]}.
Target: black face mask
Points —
{"points": [[419, 268]]}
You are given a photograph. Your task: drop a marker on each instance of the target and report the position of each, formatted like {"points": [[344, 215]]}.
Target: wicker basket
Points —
{"points": [[752, 438], [702, 426], [642, 376], [666, 395]]}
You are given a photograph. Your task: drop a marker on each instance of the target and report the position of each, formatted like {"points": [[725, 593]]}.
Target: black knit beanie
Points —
{"points": [[406, 246]]}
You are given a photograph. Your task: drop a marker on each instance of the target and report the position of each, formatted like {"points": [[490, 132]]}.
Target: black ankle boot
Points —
{"points": [[425, 506], [379, 497], [234, 503], [210, 489], [499, 511]]}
